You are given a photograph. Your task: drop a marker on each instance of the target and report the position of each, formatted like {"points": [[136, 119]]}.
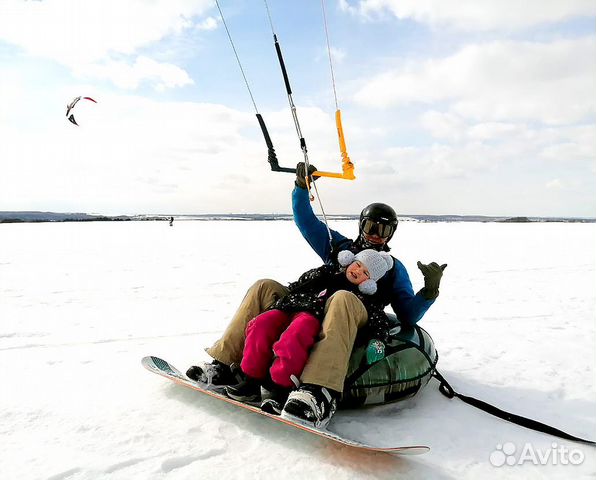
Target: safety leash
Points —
{"points": [[448, 391]]}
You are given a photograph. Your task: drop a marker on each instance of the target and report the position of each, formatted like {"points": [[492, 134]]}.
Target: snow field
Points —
{"points": [[81, 303]]}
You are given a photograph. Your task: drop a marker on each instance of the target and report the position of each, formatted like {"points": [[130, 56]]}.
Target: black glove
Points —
{"points": [[301, 174], [432, 278]]}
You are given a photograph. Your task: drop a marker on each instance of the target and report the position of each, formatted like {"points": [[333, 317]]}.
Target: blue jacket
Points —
{"points": [[408, 307]]}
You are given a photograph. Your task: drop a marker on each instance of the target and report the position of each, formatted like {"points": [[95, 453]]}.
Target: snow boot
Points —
{"points": [[214, 373], [273, 399], [247, 390], [274, 396], [311, 404]]}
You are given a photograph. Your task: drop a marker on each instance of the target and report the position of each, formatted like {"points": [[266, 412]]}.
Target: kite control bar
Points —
{"points": [[347, 165]]}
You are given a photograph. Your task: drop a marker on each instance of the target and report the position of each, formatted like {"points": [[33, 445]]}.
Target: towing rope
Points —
{"points": [[329, 54], [288, 88], [271, 155], [237, 57], [347, 166]]}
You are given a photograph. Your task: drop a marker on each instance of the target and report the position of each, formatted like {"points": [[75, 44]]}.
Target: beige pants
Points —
{"points": [[328, 361]]}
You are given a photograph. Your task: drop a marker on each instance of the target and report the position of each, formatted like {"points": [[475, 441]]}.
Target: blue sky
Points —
{"points": [[449, 107]]}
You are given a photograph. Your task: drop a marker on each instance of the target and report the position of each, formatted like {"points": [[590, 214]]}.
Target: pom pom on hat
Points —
{"points": [[345, 257], [368, 287]]}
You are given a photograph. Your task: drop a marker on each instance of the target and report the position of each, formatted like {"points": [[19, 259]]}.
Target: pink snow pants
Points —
{"points": [[279, 343]]}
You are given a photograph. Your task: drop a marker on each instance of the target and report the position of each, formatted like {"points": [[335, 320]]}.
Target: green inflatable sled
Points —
{"points": [[409, 363]]}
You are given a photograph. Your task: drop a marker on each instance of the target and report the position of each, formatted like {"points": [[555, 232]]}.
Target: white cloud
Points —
{"points": [[439, 162], [443, 125], [575, 142], [88, 35], [500, 81], [494, 130], [476, 15], [209, 23], [337, 54], [555, 184], [568, 152], [124, 75], [493, 154]]}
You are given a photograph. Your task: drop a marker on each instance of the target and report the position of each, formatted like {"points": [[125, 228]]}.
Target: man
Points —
{"points": [[324, 374]]}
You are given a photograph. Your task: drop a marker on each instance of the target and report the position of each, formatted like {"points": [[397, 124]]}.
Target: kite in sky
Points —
{"points": [[71, 106]]}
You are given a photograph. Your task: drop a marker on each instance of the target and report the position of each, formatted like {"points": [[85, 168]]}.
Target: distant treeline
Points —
{"points": [[35, 217], [39, 220], [38, 217]]}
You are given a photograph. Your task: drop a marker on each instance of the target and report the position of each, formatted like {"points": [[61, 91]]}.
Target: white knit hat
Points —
{"points": [[377, 263]]}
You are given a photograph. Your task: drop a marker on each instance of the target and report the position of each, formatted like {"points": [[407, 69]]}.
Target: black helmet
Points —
{"points": [[378, 218]]}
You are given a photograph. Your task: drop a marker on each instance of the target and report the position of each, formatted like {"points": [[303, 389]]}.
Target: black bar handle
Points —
{"points": [[271, 155], [282, 65], [265, 132]]}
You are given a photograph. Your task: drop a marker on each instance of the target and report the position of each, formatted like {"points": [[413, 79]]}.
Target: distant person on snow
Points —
{"points": [[171, 221], [279, 340], [324, 374]]}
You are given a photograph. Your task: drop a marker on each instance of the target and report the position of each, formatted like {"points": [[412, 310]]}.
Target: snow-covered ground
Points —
{"points": [[81, 303]]}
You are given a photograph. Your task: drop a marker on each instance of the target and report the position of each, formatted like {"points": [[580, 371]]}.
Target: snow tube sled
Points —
{"points": [[410, 360]]}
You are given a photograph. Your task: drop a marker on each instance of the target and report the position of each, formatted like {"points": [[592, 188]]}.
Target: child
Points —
{"points": [[278, 341]]}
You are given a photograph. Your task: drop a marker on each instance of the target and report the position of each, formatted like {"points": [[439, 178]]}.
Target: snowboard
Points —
{"points": [[161, 367]]}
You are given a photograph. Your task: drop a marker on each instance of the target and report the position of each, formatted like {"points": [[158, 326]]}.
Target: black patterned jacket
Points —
{"points": [[314, 287]]}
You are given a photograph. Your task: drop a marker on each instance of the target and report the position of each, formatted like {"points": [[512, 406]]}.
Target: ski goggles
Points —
{"points": [[383, 230]]}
